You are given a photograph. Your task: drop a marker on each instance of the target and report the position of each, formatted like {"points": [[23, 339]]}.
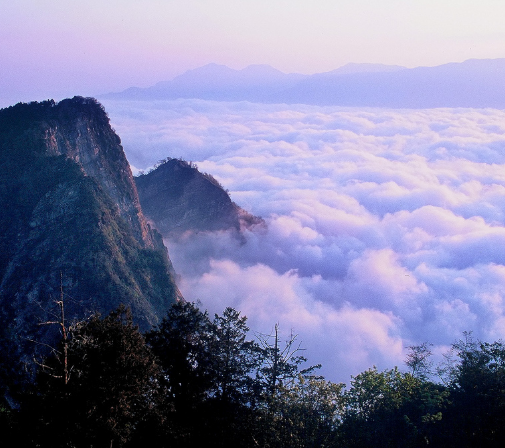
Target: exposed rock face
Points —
{"points": [[178, 199], [79, 129], [71, 218]]}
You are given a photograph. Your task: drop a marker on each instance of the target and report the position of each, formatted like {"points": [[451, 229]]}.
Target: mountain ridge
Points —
{"points": [[180, 200], [215, 81], [471, 83], [72, 224]]}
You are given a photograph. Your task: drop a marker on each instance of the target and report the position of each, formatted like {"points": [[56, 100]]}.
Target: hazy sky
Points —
{"points": [[59, 48]]}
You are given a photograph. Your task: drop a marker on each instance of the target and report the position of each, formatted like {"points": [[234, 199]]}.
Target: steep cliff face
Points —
{"points": [[178, 199], [71, 221], [79, 129]]}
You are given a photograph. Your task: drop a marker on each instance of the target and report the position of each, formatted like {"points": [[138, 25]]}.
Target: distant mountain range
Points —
{"points": [[474, 83], [217, 82]]}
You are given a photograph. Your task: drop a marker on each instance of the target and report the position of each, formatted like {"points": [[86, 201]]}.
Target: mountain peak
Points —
{"points": [[211, 70], [79, 129], [72, 220], [261, 69], [179, 199]]}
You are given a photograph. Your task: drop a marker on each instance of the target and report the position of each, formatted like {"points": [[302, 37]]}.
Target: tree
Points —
{"points": [[232, 398], [62, 369], [289, 417], [181, 343], [208, 370], [308, 413], [280, 366], [234, 357], [475, 375], [390, 409], [419, 361], [111, 388]]}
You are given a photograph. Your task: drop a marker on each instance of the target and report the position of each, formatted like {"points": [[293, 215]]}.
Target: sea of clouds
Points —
{"points": [[386, 228]]}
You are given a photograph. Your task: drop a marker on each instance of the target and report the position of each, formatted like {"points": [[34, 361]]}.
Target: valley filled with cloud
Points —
{"points": [[385, 227]]}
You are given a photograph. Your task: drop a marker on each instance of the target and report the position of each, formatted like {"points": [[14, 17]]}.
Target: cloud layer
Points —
{"points": [[386, 228]]}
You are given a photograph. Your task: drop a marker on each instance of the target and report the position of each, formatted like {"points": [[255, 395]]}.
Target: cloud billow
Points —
{"points": [[386, 227]]}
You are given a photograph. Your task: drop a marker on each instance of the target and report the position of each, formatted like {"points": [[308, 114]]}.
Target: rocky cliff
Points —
{"points": [[71, 222], [178, 199]]}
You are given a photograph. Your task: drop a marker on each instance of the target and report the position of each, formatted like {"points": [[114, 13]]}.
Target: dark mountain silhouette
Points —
{"points": [[473, 83], [71, 219], [179, 199]]}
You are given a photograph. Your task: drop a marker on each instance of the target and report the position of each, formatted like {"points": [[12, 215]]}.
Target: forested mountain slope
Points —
{"points": [[178, 199], [71, 223]]}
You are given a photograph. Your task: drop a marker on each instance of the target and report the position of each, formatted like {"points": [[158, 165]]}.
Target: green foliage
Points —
{"points": [[115, 374], [305, 413], [295, 407], [207, 379], [222, 386], [389, 409], [194, 381], [234, 358], [181, 344], [111, 388], [419, 361], [475, 374]]}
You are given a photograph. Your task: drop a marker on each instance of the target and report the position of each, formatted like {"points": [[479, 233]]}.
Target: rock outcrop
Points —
{"points": [[178, 199]]}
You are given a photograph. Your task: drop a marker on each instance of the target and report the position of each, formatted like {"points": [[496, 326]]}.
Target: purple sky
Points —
{"points": [[57, 48]]}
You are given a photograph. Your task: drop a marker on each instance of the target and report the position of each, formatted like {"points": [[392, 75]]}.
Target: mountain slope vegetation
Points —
{"points": [[178, 199], [71, 224]]}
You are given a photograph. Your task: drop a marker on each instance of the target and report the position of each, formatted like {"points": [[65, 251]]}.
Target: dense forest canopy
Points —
{"points": [[199, 380]]}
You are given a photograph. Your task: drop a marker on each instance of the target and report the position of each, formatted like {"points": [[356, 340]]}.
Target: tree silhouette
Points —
{"points": [[111, 388]]}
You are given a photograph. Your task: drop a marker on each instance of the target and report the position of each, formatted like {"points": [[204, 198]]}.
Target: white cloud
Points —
{"points": [[385, 227], [357, 337]]}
